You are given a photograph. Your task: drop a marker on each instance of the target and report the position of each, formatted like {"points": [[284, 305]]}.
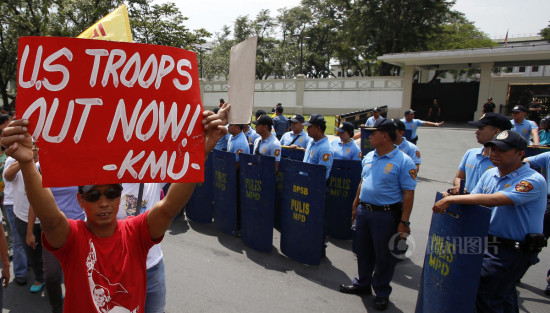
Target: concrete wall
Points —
{"points": [[328, 96]]}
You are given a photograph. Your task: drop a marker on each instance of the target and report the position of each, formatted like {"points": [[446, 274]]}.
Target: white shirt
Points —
{"points": [[20, 202], [8, 185], [128, 201]]}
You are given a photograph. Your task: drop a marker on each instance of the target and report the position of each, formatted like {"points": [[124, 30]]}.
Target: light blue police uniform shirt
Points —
{"points": [[527, 189], [320, 152], [524, 128], [271, 146], [251, 135], [238, 144], [348, 151], [385, 177], [474, 164], [411, 150], [222, 143], [302, 141], [371, 121], [542, 161], [412, 125]]}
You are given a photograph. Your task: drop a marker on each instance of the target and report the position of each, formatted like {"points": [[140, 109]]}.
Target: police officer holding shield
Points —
{"points": [[517, 195], [382, 207], [476, 161]]}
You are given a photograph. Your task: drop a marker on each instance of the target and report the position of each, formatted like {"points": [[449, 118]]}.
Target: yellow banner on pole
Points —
{"points": [[114, 26]]}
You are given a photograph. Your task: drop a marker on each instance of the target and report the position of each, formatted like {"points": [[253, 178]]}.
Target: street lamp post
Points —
{"points": [[201, 50], [301, 50]]}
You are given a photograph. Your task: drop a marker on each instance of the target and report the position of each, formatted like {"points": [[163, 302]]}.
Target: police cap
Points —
{"points": [[494, 119], [507, 140], [316, 119]]}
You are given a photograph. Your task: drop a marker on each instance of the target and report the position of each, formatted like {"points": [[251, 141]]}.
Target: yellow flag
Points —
{"points": [[114, 26]]}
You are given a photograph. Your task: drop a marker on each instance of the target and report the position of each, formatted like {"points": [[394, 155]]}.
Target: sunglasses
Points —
{"points": [[94, 195]]}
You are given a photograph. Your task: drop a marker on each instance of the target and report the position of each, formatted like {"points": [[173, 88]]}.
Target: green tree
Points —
{"points": [[545, 33], [216, 63], [460, 33], [163, 24], [157, 24]]}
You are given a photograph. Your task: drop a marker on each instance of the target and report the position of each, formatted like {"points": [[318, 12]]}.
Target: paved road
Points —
{"points": [[211, 272]]}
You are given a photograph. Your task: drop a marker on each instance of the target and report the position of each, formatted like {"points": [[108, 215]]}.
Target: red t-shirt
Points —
{"points": [[102, 274]]}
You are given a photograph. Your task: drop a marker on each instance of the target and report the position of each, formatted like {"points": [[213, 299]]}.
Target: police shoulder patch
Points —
{"points": [[524, 186], [413, 174], [418, 154], [239, 151], [277, 152], [326, 157]]}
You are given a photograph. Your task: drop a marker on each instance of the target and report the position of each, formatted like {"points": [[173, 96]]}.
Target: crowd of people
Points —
{"points": [[71, 234], [496, 175]]}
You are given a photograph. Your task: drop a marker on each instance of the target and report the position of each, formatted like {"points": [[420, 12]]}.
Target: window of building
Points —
{"points": [[522, 69], [535, 68]]}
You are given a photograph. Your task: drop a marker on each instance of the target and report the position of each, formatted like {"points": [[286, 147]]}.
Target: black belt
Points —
{"points": [[386, 207], [504, 242]]}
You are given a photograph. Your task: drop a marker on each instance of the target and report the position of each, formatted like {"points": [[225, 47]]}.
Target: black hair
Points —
{"points": [[279, 109], [392, 134], [4, 118]]}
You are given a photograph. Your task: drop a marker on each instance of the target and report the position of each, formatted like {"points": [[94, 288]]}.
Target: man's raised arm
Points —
{"points": [[19, 145], [162, 214]]}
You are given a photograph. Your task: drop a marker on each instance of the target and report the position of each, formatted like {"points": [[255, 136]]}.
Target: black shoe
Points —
{"points": [[547, 291], [355, 290], [21, 281], [381, 303]]}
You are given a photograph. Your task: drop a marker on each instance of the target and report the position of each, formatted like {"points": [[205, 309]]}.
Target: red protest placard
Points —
{"points": [[105, 112]]}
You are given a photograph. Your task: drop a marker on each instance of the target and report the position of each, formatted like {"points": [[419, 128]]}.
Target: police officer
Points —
{"points": [[412, 124], [250, 134], [344, 148], [404, 145], [382, 207], [259, 113], [371, 120], [267, 143], [476, 161], [280, 122], [517, 195], [318, 150], [528, 129], [538, 161], [222, 143], [297, 136], [237, 142]]}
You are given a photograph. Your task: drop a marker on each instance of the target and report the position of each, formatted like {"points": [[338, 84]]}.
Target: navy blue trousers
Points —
{"points": [[374, 260], [502, 267]]}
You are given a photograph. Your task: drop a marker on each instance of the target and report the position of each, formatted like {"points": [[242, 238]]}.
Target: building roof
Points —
{"points": [[528, 54]]}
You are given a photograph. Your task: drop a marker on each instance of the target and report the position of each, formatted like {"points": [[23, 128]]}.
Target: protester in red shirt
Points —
{"points": [[103, 259]]}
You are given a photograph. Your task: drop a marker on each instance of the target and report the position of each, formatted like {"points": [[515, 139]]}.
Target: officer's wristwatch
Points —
{"points": [[406, 223]]}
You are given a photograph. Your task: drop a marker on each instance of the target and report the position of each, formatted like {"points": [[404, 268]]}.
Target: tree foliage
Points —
{"points": [[161, 24], [305, 38], [545, 33]]}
